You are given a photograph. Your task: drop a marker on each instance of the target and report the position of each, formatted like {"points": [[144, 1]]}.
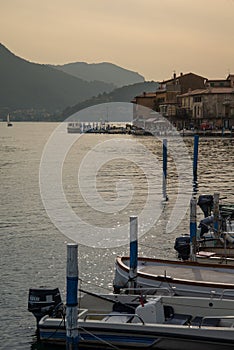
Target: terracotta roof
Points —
{"points": [[161, 90], [180, 76], [152, 93], [147, 94], [212, 90], [216, 80], [221, 90], [193, 92]]}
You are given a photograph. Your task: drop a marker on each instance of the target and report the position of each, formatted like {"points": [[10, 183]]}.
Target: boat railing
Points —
{"points": [[82, 313], [215, 321], [227, 291], [110, 315], [150, 291]]}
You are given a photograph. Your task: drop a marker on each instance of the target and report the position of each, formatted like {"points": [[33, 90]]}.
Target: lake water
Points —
{"points": [[32, 248]]}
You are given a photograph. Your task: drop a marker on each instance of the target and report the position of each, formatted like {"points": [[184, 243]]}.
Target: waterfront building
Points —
{"points": [[189, 101]]}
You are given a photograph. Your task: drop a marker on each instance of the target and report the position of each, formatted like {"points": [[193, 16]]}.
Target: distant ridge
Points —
{"points": [[124, 94], [37, 92], [106, 72], [26, 85]]}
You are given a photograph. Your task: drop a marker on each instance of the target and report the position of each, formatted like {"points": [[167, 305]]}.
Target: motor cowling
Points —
{"points": [[182, 246], [205, 202], [43, 301]]}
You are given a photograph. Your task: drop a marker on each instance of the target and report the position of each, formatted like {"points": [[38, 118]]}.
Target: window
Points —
{"points": [[197, 99]]}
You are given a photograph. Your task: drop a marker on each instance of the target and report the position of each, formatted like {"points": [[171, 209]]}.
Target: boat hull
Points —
{"points": [[138, 336], [181, 278], [127, 321]]}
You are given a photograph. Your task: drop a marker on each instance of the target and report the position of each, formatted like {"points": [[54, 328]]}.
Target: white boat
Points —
{"points": [[9, 123], [184, 278], [160, 322], [74, 128]]}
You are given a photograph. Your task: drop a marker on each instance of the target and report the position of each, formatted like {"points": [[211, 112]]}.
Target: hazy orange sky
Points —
{"points": [[152, 37]]}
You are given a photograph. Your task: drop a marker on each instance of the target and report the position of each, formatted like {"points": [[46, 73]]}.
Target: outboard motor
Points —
{"points": [[182, 246], [205, 224], [43, 301], [205, 202]]}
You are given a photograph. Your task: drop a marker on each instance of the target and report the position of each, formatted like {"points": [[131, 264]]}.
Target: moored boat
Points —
{"points": [[160, 322], [184, 278]]}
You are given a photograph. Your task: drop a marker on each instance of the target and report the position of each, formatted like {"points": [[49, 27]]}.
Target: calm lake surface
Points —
{"points": [[32, 248]]}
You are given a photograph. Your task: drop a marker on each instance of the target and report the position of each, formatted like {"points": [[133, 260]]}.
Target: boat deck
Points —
{"points": [[195, 273]]}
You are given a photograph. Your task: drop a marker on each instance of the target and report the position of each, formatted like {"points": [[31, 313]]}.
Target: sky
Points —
{"points": [[152, 37]]}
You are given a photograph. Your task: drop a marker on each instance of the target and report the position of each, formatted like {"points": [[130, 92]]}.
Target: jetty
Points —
{"points": [[98, 128]]}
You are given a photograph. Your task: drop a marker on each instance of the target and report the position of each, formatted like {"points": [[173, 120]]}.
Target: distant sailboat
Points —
{"points": [[8, 121]]}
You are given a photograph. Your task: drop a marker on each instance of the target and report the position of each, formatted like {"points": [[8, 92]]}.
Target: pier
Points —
{"points": [[99, 128]]}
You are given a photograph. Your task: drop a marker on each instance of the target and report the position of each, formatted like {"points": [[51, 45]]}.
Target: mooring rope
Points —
{"points": [[57, 328]]}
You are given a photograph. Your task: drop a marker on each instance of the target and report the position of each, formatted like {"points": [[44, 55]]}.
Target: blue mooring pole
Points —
{"points": [[193, 228], [195, 157], [72, 297], [133, 251], [164, 182]]}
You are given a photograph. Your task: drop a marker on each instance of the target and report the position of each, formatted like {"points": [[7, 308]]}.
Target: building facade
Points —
{"points": [[189, 101], [165, 99], [208, 108]]}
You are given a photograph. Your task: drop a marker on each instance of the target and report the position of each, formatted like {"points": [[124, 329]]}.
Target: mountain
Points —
{"points": [[26, 85], [124, 94], [106, 72]]}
